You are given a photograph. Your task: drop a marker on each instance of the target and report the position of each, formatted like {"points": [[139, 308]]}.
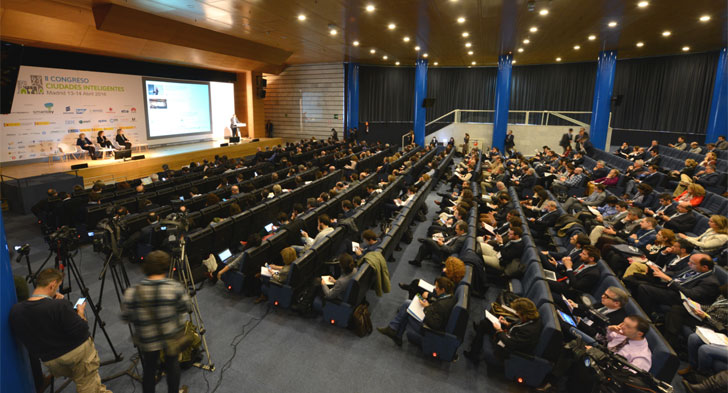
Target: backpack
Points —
{"points": [[361, 321]]}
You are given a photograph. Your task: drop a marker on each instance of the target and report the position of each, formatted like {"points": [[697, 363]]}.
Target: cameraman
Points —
{"points": [[50, 328], [156, 307]]}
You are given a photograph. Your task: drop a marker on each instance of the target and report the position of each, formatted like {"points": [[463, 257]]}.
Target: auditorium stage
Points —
{"points": [[110, 170]]}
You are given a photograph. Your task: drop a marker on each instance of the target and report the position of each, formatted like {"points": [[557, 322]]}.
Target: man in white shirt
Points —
{"points": [[324, 228]]}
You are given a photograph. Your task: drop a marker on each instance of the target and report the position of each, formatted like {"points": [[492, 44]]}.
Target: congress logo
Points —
{"points": [[68, 111], [48, 105], [35, 86]]}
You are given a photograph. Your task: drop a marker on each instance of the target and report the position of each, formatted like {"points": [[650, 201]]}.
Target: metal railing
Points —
{"points": [[543, 118]]}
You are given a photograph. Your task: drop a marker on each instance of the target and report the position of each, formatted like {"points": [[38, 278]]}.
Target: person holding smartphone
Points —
{"points": [[50, 328]]}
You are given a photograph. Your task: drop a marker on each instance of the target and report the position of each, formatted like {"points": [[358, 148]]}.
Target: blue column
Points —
{"points": [[420, 95], [352, 97], [14, 366], [601, 105], [718, 120], [502, 100]]}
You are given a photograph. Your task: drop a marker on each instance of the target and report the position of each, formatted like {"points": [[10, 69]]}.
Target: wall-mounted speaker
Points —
{"points": [[78, 166], [224, 144], [138, 157]]}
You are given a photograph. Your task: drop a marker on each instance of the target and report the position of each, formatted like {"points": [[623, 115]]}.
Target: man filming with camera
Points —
{"points": [[50, 327]]}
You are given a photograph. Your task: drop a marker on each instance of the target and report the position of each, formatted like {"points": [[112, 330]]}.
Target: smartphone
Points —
{"points": [[181, 198], [164, 228], [80, 301], [90, 234], [17, 248]]}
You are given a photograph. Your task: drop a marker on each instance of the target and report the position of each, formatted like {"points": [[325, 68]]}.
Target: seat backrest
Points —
{"points": [[549, 343], [721, 274], [701, 225], [664, 358], [458, 321], [359, 286], [468, 277], [539, 293]]}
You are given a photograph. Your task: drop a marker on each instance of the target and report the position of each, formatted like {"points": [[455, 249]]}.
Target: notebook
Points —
{"points": [[328, 280], [426, 286], [493, 319], [709, 336], [416, 309]]}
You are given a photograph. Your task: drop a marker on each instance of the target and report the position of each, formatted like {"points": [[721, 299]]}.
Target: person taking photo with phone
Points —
{"points": [[50, 328]]}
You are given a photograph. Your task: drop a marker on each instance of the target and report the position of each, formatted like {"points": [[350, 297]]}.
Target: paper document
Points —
{"points": [[328, 280], [354, 246], [489, 229], [493, 319], [265, 272], [691, 306], [710, 336], [426, 286], [571, 309], [416, 309], [594, 211]]}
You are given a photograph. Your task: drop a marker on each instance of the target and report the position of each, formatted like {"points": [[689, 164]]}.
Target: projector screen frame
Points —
{"points": [[187, 81]]}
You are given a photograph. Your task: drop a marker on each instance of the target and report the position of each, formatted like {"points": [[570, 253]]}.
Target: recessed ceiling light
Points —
{"points": [[461, 19], [301, 17], [372, 51], [643, 4], [666, 33], [640, 44], [369, 8], [558, 59], [592, 37], [520, 50], [425, 55], [396, 63], [468, 45], [533, 29], [577, 47], [385, 57], [543, 12], [391, 26], [405, 39], [417, 48], [466, 34], [435, 63], [473, 63], [513, 62], [470, 52], [333, 31], [705, 18], [355, 43], [685, 48], [612, 24], [526, 41]]}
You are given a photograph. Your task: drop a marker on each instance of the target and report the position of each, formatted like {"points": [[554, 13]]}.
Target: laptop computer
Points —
{"points": [[550, 275], [225, 256]]}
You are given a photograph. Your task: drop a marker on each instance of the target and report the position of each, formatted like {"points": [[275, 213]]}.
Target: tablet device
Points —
{"points": [[550, 275], [567, 318]]}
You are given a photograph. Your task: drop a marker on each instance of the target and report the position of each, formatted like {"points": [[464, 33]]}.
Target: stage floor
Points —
{"points": [[110, 170]]}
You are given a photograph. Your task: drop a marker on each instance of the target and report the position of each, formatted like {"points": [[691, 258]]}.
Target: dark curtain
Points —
{"points": [[670, 93], [557, 87], [460, 88], [386, 94]]}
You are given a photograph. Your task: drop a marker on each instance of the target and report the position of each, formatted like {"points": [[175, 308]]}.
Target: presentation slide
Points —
{"points": [[177, 108]]}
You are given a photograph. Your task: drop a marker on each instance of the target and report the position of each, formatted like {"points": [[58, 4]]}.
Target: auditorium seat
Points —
{"points": [[443, 345], [531, 370], [338, 312]]}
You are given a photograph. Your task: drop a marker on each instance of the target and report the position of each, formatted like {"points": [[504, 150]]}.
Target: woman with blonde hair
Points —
{"points": [[454, 270], [714, 238], [685, 176], [694, 195]]}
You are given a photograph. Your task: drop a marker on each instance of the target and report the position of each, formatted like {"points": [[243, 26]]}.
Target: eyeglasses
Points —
{"points": [[609, 297]]}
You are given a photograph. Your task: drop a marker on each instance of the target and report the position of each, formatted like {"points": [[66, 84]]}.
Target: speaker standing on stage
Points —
{"points": [[102, 141], [50, 328], [86, 144], [156, 307], [121, 139], [234, 125]]}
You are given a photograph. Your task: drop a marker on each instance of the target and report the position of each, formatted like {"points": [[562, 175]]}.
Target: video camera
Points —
{"points": [[64, 238]]}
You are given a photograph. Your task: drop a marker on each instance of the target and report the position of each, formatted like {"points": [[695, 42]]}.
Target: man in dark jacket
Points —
{"points": [[441, 248], [437, 308], [566, 139], [698, 283], [682, 221], [611, 306], [575, 281]]}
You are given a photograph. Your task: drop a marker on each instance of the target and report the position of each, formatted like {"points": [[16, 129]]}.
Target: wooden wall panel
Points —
{"points": [[306, 100]]}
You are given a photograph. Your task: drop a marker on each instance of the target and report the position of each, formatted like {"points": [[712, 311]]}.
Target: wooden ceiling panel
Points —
{"points": [[495, 27]]}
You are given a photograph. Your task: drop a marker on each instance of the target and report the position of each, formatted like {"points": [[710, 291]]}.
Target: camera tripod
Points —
{"points": [[181, 267]]}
